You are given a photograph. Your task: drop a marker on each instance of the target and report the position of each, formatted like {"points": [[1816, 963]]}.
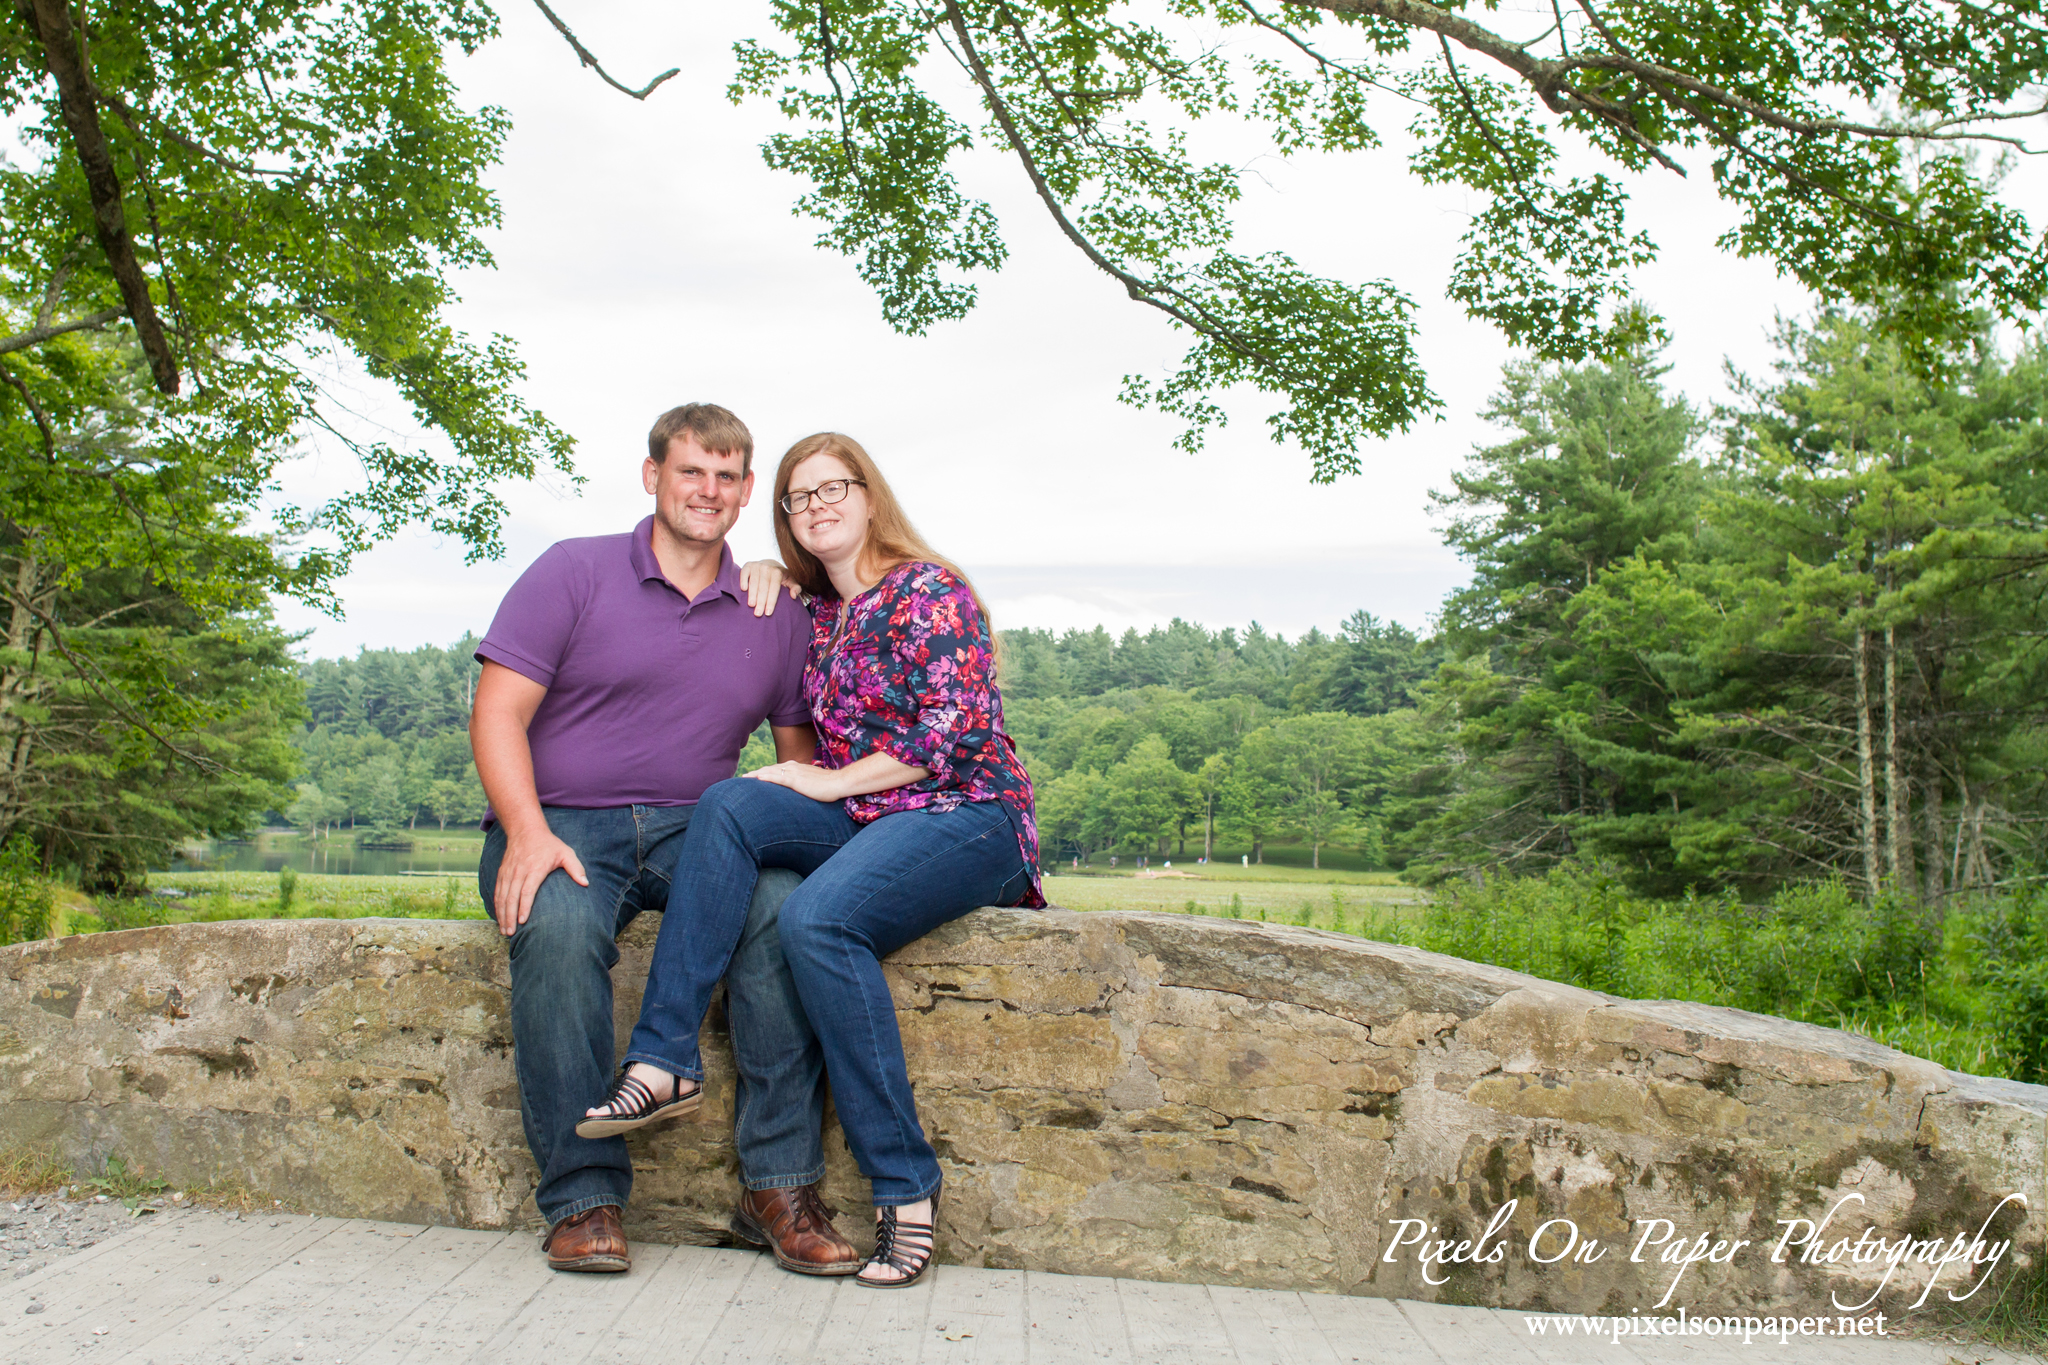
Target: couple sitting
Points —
{"points": [[622, 676]]}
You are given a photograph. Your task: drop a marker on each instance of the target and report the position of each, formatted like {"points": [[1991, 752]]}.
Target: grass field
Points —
{"points": [[1279, 873], [1344, 900], [1353, 905], [255, 895]]}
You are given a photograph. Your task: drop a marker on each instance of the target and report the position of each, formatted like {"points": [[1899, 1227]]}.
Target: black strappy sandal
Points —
{"points": [[912, 1260], [642, 1106]]}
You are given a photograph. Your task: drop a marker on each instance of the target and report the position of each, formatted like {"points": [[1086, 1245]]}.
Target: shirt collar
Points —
{"points": [[727, 580]]}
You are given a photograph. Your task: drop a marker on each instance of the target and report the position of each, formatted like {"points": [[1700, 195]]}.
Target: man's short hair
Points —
{"points": [[714, 428]]}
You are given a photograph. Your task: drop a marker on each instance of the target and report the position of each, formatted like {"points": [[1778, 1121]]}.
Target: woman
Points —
{"points": [[916, 812]]}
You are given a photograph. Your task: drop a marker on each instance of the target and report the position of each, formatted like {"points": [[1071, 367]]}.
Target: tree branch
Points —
{"points": [[50, 20], [1550, 78], [42, 332], [584, 55], [35, 410], [88, 670], [1164, 297], [60, 277]]}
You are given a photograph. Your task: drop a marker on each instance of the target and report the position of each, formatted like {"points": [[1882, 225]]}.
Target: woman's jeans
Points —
{"points": [[867, 891], [562, 959]]}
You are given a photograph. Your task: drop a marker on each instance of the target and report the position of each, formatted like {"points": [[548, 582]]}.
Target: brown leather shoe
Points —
{"points": [[794, 1224], [592, 1240]]}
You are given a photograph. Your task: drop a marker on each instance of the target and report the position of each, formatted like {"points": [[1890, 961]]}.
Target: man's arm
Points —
{"points": [[795, 743], [505, 703]]}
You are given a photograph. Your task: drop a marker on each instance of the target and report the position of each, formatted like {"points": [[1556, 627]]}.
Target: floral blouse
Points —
{"points": [[911, 673]]}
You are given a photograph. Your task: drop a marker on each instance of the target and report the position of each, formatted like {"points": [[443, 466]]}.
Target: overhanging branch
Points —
{"points": [[1157, 294], [50, 20], [589, 59], [37, 335], [1550, 79]]}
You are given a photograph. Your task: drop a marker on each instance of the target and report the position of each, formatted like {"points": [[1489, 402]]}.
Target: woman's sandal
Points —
{"points": [[912, 1260], [633, 1104]]}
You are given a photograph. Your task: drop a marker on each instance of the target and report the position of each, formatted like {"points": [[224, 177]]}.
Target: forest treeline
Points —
{"points": [[386, 741], [1798, 637]]}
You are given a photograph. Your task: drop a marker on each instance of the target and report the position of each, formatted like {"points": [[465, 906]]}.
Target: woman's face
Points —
{"points": [[833, 531]]}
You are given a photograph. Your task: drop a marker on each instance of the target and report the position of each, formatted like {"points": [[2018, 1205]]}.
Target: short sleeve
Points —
{"points": [[787, 705], [531, 632]]}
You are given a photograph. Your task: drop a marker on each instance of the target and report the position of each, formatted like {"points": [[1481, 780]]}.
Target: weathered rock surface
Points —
{"points": [[1157, 1096]]}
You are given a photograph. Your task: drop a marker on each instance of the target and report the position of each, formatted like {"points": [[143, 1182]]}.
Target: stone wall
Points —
{"points": [[1157, 1096]]}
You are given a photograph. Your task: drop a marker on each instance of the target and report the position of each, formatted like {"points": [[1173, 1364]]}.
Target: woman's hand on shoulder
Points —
{"points": [[806, 779], [759, 578]]}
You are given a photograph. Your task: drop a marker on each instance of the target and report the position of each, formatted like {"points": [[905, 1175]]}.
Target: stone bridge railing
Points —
{"points": [[1157, 1096]]}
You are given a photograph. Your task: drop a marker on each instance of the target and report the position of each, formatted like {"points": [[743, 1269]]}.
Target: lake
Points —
{"points": [[433, 854]]}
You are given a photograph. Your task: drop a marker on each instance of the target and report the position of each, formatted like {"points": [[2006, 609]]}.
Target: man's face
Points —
{"points": [[698, 493]]}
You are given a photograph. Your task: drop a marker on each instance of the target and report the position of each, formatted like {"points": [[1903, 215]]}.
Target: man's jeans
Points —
{"points": [[869, 890], [562, 1011]]}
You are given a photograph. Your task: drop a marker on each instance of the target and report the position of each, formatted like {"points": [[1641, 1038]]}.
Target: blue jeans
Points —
{"points": [[867, 891], [562, 1011]]}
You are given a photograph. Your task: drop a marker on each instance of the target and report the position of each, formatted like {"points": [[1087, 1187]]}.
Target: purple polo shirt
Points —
{"points": [[651, 697]]}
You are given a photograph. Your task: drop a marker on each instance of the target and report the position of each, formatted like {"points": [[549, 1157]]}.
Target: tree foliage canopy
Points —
{"points": [[1812, 652], [1842, 138], [222, 209], [226, 206]]}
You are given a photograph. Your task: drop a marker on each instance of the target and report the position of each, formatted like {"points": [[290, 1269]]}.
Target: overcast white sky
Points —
{"points": [[648, 258]]}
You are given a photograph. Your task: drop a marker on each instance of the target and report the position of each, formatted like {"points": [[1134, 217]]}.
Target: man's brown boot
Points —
{"points": [[592, 1240], [794, 1224]]}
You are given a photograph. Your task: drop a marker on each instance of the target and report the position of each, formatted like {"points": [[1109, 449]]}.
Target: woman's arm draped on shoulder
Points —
{"points": [[759, 580], [941, 646]]}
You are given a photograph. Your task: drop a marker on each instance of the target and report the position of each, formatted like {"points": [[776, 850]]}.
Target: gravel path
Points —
{"points": [[41, 1228]]}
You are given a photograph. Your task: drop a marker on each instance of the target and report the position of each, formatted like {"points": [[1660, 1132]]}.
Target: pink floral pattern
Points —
{"points": [[910, 672]]}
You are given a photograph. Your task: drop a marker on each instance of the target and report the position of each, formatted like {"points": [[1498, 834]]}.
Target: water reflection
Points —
{"points": [[433, 853]]}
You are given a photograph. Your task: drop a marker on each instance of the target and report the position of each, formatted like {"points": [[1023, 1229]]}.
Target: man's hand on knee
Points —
{"points": [[528, 861]]}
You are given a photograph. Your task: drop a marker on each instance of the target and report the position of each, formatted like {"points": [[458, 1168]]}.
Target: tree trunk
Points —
{"points": [[1978, 869], [50, 21], [23, 686], [1259, 851], [1866, 769], [1955, 862], [1315, 856], [1209, 830], [1898, 833], [1930, 824]]}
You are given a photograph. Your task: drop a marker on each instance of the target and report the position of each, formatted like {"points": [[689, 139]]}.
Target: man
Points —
{"points": [[622, 676]]}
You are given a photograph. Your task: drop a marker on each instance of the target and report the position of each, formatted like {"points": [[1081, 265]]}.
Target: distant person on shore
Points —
{"points": [[621, 678], [916, 811]]}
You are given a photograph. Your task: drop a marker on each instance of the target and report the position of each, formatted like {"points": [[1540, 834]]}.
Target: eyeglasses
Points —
{"points": [[830, 491]]}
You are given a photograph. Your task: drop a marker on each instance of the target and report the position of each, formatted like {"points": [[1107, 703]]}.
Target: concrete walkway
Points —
{"points": [[196, 1288]]}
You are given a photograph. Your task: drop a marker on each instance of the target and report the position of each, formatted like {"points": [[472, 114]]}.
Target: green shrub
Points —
{"points": [[2011, 941], [1971, 994], [287, 883], [25, 898]]}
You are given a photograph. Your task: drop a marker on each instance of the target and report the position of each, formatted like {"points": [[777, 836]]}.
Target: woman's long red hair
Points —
{"points": [[892, 540]]}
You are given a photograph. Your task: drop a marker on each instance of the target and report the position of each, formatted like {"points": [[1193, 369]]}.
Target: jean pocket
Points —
{"points": [[1014, 889]]}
